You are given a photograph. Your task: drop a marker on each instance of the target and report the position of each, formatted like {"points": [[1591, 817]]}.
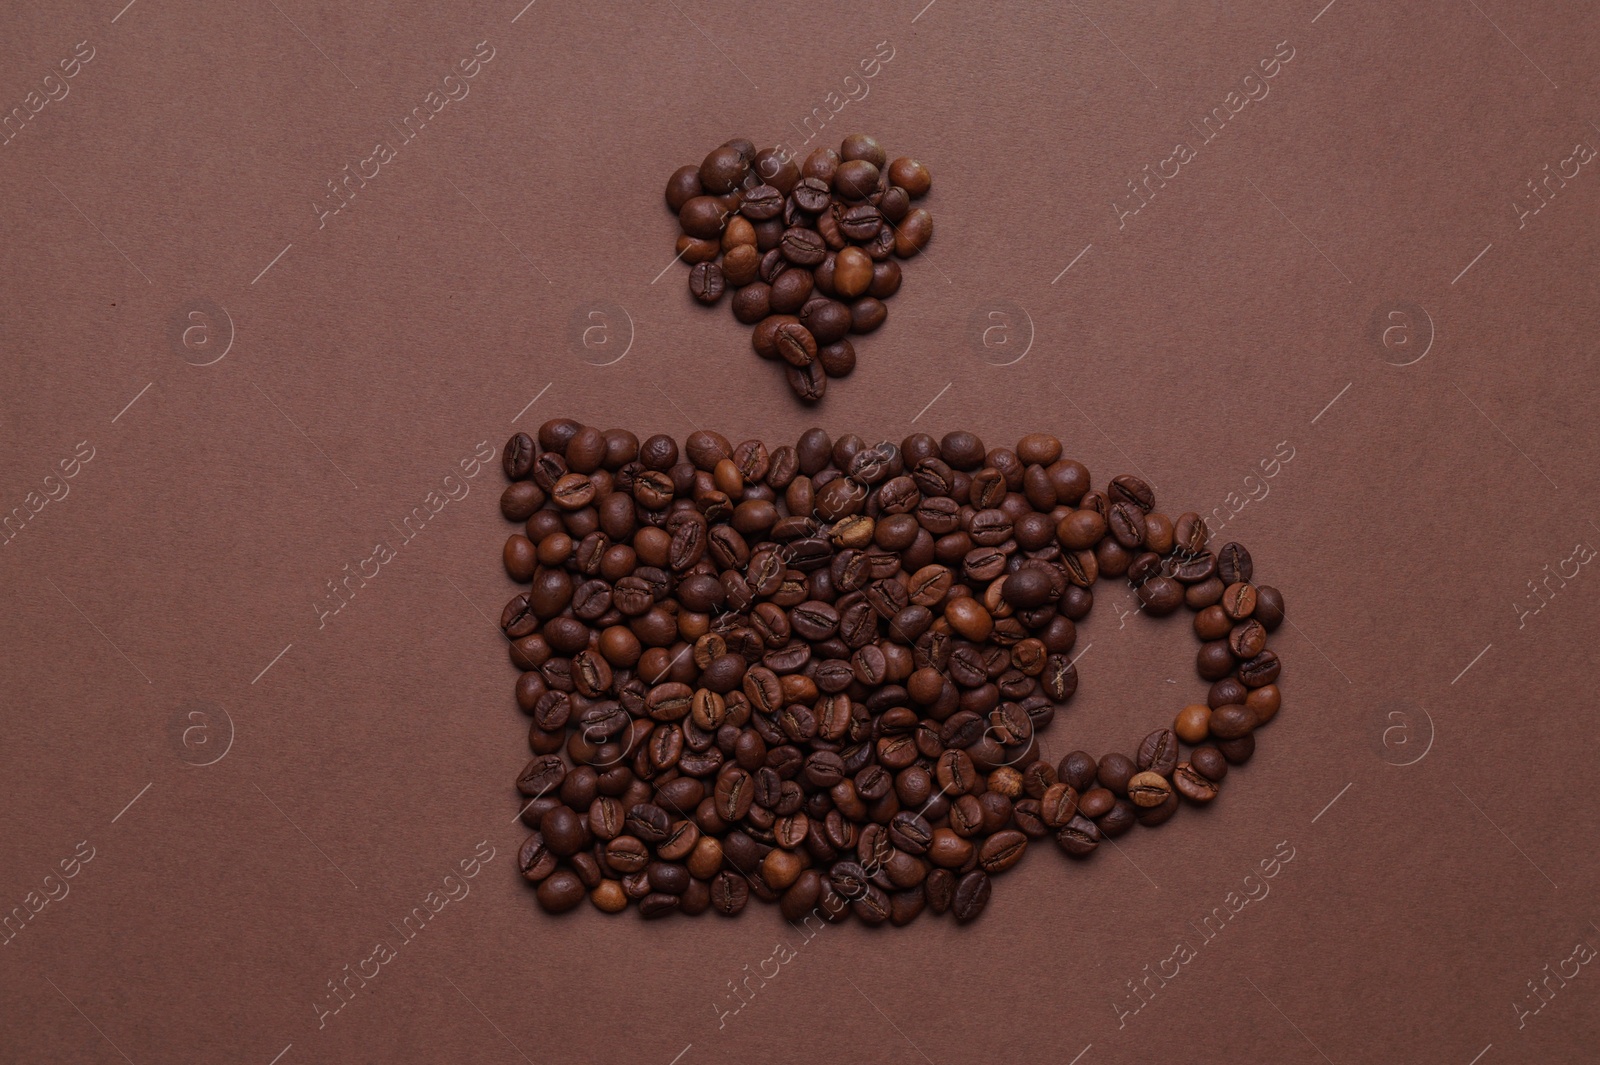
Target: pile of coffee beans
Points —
{"points": [[807, 251], [817, 675]]}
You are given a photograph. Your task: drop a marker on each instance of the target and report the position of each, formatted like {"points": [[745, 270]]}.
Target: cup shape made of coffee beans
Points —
{"points": [[806, 250], [817, 674]]}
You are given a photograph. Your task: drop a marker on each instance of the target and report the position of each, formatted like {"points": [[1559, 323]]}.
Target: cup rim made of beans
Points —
{"points": [[816, 675]]}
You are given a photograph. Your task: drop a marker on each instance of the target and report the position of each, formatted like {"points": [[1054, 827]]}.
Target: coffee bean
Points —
{"points": [[855, 179], [1116, 770], [1002, 850], [1209, 763], [1238, 751], [1263, 669], [1193, 785], [1269, 607], [706, 283], [913, 233], [1079, 838], [802, 247], [1159, 752], [560, 892], [535, 859], [517, 458], [1233, 564], [1148, 789], [761, 203], [971, 896], [1232, 721], [795, 344]]}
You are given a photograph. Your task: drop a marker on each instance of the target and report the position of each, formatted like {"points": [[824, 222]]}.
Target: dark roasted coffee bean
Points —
{"points": [[535, 860], [560, 892], [517, 459], [802, 247], [1115, 772], [1159, 752], [706, 283], [1238, 751], [1127, 488], [1261, 670], [761, 203], [1269, 607], [729, 893], [1233, 564], [1002, 850], [971, 895], [1232, 721], [855, 179], [1209, 763]]}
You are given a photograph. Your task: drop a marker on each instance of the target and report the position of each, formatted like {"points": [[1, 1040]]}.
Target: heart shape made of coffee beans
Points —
{"points": [[808, 249], [817, 675]]}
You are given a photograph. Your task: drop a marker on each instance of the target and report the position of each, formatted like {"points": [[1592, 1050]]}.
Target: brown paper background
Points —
{"points": [[1232, 315]]}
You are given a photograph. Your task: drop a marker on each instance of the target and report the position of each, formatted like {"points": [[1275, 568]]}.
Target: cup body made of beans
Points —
{"points": [[817, 675]]}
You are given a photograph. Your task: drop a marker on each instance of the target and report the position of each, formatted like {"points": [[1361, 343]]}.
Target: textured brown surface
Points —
{"points": [[369, 756]]}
